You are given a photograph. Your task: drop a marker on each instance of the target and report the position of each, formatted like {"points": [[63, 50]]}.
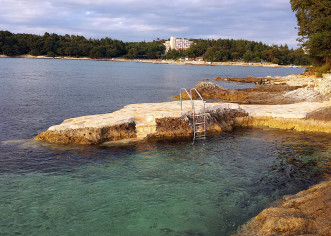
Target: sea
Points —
{"points": [[162, 187]]}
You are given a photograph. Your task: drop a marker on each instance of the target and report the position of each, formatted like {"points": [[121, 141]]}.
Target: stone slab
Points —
{"points": [[287, 111], [139, 113]]}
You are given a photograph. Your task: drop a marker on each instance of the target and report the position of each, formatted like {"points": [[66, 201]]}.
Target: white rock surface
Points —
{"points": [[143, 114], [304, 94], [296, 110], [322, 86], [144, 117], [296, 80]]}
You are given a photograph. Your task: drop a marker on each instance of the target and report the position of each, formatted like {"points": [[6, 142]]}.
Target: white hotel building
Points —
{"points": [[178, 44]]}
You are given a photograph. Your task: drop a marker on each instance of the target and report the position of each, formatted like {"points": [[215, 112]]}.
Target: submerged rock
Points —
{"points": [[305, 213]]}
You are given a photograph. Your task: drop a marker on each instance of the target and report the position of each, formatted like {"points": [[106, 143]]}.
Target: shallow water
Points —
{"points": [[165, 187]]}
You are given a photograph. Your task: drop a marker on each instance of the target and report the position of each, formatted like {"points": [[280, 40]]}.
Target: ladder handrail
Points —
{"points": [[181, 100], [203, 102], [197, 93], [204, 114], [195, 131]]}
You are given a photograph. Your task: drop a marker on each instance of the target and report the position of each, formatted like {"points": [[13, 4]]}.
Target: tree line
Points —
{"points": [[75, 46], [211, 50], [242, 50]]}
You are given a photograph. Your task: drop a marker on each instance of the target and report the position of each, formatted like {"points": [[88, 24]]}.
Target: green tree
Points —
{"points": [[314, 21], [98, 52], [299, 57], [212, 54], [248, 56], [173, 54], [235, 56], [284, 55]]}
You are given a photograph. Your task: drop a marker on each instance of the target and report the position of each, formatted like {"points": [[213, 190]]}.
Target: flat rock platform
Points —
{"points": [[167, 119]]}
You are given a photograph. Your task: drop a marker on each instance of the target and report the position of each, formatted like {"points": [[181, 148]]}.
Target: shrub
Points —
{"points": [[322, 69]]}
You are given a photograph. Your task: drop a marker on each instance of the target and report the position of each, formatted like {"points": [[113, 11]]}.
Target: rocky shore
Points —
{"points": [[142, 121], [159, 120], [287, 103], [273, 90], [305, 213], [295, 102]]}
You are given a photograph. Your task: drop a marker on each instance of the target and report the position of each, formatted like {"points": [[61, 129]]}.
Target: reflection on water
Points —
{"points": [[164, 187]]}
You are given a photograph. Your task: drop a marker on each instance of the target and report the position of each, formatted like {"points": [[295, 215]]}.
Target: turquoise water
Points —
{"points": [[165, 187]]}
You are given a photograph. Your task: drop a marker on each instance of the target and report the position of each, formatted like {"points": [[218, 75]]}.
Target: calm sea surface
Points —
{"points": [[166, 187]]}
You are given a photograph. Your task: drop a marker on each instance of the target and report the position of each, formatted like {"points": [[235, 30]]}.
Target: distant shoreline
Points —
{"points": [[160, 61]]}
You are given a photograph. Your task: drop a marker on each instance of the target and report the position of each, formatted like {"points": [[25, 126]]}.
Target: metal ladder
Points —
{"points": [[199, 120]]}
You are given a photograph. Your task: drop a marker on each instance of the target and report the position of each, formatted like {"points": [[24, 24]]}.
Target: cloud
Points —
{"points": [[120, 24], [136, 20]]}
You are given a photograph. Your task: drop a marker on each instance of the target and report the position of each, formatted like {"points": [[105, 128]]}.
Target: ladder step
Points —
{"points": [[198, 129]]}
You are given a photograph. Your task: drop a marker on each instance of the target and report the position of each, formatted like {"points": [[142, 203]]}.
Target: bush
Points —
{"points": [[318, 70], [322, 69]]}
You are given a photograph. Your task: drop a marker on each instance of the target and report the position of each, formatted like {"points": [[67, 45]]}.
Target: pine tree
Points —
{"points": [[314, 21]]}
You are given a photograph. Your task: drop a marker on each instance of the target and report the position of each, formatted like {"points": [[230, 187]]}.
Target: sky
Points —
{"points": [[267, 21]]}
